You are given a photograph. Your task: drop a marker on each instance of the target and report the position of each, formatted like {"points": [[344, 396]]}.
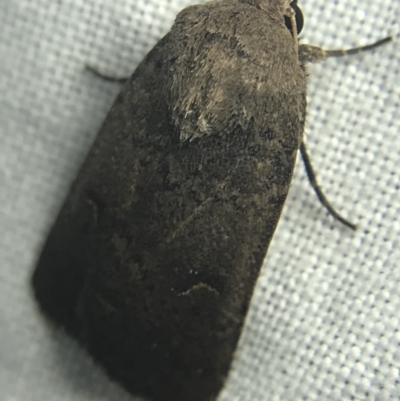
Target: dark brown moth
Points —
{"points": [[153, 259]]}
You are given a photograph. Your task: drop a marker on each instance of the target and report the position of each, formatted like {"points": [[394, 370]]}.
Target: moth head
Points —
{"points": [[298, 18], [292, 14]]}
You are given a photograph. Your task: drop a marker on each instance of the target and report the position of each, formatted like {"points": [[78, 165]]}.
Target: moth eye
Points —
{"points": [[299, 18]]}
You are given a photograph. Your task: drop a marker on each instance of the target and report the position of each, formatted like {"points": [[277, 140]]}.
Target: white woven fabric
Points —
{"points": [[325, 318]]}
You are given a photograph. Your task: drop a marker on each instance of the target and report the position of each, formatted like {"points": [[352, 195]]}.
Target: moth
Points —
{"points": [[152, 261]]}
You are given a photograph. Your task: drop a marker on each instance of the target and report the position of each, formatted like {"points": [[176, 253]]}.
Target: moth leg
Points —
{"points": [[120, 80], [312, 178], [312, 54]]}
